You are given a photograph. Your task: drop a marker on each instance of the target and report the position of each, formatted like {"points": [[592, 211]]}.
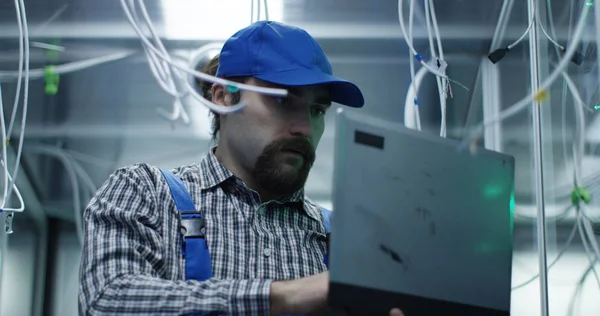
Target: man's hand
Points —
{"points": [[304, 296]]}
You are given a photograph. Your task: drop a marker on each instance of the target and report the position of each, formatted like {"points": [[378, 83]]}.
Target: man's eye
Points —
{"points": [[281, 100], [319, 110]]}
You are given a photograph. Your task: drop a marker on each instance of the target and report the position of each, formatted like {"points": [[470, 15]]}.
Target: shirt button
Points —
{"points": [[267, 252]]}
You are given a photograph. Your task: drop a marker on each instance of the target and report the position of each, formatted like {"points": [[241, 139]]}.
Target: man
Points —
{"points": [[266, 239]]}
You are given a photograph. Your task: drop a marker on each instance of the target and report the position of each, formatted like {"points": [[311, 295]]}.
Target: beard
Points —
{"points": [[271, 173]]}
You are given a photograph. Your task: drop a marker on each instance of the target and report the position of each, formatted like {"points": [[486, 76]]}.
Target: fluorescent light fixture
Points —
{"points": [[212, 19]]}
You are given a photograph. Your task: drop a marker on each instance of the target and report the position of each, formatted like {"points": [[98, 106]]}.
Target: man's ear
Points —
{"points": [[220, 95]]}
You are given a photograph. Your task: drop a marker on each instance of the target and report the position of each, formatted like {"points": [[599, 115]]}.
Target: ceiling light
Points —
{"points": [[211, 19]]}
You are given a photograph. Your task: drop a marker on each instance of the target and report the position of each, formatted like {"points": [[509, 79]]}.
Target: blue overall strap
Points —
{"points": [[194, 247], [327, 223]]}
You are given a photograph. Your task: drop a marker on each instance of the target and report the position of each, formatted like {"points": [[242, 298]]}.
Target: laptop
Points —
{"points": [[417, 223]]}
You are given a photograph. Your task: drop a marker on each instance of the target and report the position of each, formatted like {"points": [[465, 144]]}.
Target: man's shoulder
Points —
{"points": [[316, 208], [308, 202], [189, 173]]}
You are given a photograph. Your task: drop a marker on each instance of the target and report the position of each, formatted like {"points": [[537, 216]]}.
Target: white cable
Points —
{"points": [[178, 109], [412, 66], [550, 38], [161, 76], [215, 107], [68, 165], [4, 140], [89, 159], [579, 287], [436, 29], [160, 70], [47, 46], [549, 218], [51, 19], [7, 178], [584, 239], [252, 11], [531, 22], [19, 72], [583, 219], [579, 139], [266, 10], [21, 207], [558, 256], [551, 22], [409, 107], [443, 85], [24, 115], [412, 49], [258, 9], [72, 162], [203, 76], [578, 147], [68, 67], [429, 16], [542, 90], [589, 230], [4, 159]]}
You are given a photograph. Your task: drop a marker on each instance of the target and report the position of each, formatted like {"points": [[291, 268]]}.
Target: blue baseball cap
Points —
{"points": [[284, 55]]}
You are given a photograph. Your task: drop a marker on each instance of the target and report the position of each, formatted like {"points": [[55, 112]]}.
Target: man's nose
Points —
{"points": [[301, 125]]}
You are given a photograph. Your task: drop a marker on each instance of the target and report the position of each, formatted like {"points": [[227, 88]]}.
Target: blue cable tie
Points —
{"points": [[1, 210], [419, 57], [415, 101]]}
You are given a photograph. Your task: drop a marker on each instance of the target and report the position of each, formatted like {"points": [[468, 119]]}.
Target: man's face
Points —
{"points": [[275, 138]]}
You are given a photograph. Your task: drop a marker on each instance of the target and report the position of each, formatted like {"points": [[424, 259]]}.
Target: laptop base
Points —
{"points": [[353, 300]]}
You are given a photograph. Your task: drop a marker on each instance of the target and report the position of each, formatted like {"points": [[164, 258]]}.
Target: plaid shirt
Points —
{"points": [[132, 263]]}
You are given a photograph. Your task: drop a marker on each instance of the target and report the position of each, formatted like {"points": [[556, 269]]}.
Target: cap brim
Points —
{"points": [[342, 91]]}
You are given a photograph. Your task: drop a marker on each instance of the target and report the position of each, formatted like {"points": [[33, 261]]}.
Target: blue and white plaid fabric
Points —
{"points": [[131, 260]]}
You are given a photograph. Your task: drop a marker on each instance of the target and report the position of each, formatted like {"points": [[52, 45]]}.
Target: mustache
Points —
{"points": [[297, 144]]}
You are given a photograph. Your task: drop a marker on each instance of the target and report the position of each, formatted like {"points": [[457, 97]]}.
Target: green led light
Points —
{"points": [[512, 202], [492, 191], [512, 212], [597, 107], [589, 3]]}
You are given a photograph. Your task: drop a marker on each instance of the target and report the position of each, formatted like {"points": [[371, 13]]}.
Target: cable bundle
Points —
{"points": [[165, 69]]}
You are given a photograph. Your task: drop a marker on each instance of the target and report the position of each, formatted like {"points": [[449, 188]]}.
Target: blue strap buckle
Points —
{"points": [[192, 226]]}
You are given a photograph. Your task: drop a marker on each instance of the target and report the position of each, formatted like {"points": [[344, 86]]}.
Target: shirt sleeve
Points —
{"points": [[124, 269]]}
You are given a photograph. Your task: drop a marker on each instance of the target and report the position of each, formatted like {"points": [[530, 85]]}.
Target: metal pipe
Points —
{"points": [[538, 163], [490, 85]]}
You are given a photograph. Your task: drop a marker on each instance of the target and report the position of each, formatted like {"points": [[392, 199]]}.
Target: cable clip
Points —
{"points": [[51, 79], [233, 89], [8, 223], [580, 194], [541, 96], [438, 64]]}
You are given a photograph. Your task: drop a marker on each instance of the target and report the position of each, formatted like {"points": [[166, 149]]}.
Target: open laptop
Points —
{"points": [[418, 224]]}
